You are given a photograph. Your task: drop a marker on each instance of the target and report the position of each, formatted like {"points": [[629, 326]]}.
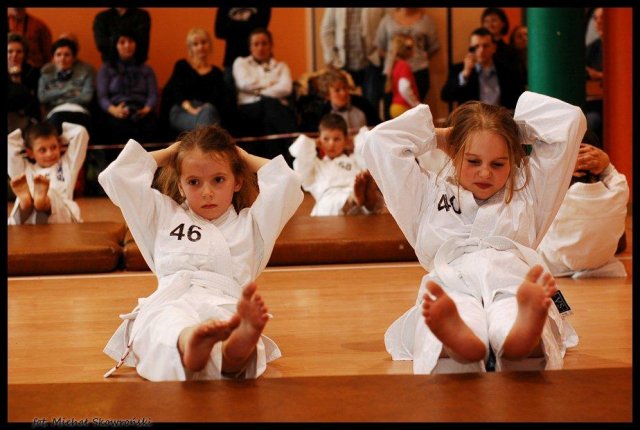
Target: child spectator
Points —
{"points": [[401, 82], [207, 238], [584, 237], [44, 183], [335, 176]]}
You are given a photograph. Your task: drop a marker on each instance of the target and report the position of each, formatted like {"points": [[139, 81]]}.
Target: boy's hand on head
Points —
{"points": [[591, 159]]}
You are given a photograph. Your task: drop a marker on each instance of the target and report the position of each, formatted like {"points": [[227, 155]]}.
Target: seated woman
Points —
{"points": [[66, 86], [263, 85], [196, 94], [23, 107], [127, 93]]}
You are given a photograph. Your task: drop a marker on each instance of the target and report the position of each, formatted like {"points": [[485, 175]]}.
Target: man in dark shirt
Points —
{"points": [[482, 77]]}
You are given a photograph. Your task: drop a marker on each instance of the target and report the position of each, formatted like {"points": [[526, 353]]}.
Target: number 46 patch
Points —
{"points": [[193, 233], [448, 204]]}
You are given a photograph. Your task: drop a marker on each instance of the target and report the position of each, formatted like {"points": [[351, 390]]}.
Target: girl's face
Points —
{"points": [[15, 54], [126, 48], [260, 47], [199, 47], [332, 142], [339, 95], [485, 164], [63, 58], [207, 183]]}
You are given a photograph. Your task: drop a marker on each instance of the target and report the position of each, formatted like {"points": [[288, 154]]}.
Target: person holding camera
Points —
{"points": [[482, 77], [127, 94]]}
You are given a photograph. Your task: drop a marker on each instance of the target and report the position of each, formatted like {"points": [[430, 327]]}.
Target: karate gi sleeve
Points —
{"points": [[127, 181], [16, 161], [390, 152], [554, 129], [279, 198], [303, 149], [74, 157], [617, 183]]}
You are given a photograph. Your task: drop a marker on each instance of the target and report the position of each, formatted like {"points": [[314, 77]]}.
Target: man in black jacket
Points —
{"points": [[481, 77]]}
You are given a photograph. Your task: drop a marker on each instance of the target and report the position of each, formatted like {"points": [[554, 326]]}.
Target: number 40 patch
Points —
{"points": [[448, 204]]}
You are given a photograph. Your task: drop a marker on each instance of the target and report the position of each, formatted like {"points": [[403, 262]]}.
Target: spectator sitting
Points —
{"points": [[22, 95], [263, 85], [195, 94], [36, 33], [67, 86], [127, 93], [480, 77], [335, 175], [334, 87]]}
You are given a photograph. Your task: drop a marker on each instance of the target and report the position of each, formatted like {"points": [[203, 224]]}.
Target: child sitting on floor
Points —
{"points": [[335, 175], [590, 225], [44, 180], [206, 237]]}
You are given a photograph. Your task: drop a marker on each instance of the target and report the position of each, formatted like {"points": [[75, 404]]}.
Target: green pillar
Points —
{"points": [[557, 53]]}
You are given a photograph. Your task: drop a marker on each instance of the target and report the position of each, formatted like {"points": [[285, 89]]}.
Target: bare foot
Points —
{"points": [[254, 317], [196, 342], [40, 198], [442, 317], [373, 200], [359, 188], [21, 190], [534, 300]]}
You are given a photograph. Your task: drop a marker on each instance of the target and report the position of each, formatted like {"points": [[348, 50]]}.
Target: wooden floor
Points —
{"points": [[329, 322]]}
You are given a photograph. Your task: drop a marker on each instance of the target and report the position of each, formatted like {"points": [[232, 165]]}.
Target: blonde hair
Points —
{"points": [[474, 116], [214, 140], [195, 32], [401, 45]]}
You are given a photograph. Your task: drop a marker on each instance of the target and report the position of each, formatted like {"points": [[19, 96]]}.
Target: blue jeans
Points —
{"points": [[181, 120]]}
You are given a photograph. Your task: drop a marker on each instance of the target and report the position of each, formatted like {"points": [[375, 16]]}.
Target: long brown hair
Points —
{"points": [[474, 116], [213, 140]]}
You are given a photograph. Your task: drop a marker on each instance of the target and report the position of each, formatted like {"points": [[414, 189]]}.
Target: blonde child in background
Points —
{"points": [[206, 237], [333, 173], [475, 226], [402, 83], [44, 180]]}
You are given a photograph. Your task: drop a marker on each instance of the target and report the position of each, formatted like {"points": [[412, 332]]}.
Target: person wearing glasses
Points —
{"points": [[481, 76]]}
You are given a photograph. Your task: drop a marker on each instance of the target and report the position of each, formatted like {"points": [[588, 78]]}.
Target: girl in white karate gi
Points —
{"points": [[44, 180], [475, 226], [334, 174], [207, 241]]}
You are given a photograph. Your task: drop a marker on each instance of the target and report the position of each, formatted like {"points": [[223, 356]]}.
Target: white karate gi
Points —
{"points": [[62, 176], [201, 265], [479, 252], [329, 180], [583, 238]]}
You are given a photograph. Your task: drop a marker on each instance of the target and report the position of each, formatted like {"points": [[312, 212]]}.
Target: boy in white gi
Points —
{"points": [[583, 239], [44, 180], [475, 227], [333, 173], [206, 237]]}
